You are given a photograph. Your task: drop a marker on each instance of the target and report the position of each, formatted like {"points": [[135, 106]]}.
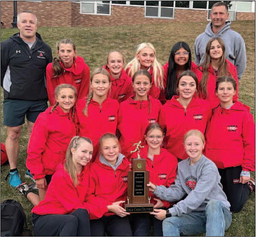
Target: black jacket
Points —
{"points": [[23, 69]]}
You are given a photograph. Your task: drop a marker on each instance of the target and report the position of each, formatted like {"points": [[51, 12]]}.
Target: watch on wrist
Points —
{"points": [[168, 214]]}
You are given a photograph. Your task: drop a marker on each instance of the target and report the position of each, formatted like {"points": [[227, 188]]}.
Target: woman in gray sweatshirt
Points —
{"points": [[202, 205]]}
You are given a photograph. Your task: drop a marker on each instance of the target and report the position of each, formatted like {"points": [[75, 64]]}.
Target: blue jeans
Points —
{"points": [[214, 221]]}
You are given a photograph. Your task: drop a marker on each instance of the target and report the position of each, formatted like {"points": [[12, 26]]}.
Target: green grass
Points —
{"points": [[94, 43]]}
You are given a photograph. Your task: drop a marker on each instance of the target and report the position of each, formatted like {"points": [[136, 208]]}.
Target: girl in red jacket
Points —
{"points": [[109, 175], [180, 60], [67, 68], [145, 58], [215, 65], [137, 112], [121, 87], [50, 137], [97, 114], [65, 211], [162, 167], [231, 143], [182, 113]]}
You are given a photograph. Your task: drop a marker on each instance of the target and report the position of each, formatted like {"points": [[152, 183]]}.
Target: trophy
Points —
{"points": [[138, 200]]}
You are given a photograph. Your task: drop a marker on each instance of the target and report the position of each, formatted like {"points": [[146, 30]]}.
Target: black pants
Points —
{"points": [[237, 193], [142, 222], [111, 226], [76, 223]]}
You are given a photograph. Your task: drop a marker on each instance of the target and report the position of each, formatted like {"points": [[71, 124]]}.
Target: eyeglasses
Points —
{"points": [[181, 53]]}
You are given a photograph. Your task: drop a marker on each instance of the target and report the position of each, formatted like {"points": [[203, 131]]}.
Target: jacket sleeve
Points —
{"points": [[4, 60], [50, 84], [197, 51], [36, 147], [84, 89], [248, 135], [240, 56]]}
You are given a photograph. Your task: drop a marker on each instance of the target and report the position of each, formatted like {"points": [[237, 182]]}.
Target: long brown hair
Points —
{"points": [[222, 70], [70, 165]]}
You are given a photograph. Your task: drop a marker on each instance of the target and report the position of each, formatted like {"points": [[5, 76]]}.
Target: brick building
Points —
{"points": [[100, 13]]}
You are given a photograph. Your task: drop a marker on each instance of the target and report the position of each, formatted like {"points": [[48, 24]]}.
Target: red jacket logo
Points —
{"points": [[77, 81], [125, 178], [190, 182], [198, 116], [232, 128], [163, 176], [111, 118], [41, 55]]}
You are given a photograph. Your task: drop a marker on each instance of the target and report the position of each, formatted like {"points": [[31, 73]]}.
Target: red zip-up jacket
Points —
{"points": [[50, 137], [101, 119], [177, 121], [63, 197], [78, 75], [134, 117], [211, 83], [162, 169], [109, 184], [121, 88], [230, 137], [154, 91], [194, 68]]}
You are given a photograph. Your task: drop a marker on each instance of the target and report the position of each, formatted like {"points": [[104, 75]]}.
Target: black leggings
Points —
{"points": [[237, 193], [76, 223]]}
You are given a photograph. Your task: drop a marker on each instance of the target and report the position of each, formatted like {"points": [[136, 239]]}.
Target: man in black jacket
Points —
{"points": [[24, 58]]}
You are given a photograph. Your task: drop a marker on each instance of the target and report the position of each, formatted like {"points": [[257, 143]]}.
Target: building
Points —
{"points": [[102, 13]]}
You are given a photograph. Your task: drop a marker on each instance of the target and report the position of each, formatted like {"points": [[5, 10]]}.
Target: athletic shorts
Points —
{"points": [[15, 111]]}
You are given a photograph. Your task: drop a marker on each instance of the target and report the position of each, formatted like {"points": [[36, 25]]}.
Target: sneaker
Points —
{"points": [[14, 179], [251, 185], [33, 186], [29, 175], [23, 188]]}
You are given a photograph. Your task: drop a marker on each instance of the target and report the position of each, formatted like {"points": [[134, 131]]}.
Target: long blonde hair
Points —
{"points": [[70, 165], [99, 70], [134, 65], [222, 70]]}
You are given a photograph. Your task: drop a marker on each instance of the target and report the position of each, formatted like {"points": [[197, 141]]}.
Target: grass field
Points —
{"points": [[94, 44]]}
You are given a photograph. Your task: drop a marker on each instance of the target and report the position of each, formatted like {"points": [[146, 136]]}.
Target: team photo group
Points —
{"points": [[86, 128]]}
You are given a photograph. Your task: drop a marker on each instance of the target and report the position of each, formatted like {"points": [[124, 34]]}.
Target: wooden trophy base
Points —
{"points": [[139, 208]]}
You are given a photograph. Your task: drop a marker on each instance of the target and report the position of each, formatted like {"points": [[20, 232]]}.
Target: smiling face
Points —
{"points": [[225, 93], [66, 98], [219, 15], [115, 63], [67, 54], [82, 155], [141, 87], [100, 85], [216, 51], [194, 147], [27, 24], [181, 57], [186, 88], [146, 58], [154, 139], [110, 149]]}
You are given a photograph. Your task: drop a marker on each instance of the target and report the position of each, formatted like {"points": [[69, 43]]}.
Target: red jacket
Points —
{"points": [[134, 117], [231, 137], [78, 75], [109, 184], [194, 68], [121, 88], [101, 119], [211, 84], [64, 197], [177, 121], [162, 169], [154, 91], [48, 142]]}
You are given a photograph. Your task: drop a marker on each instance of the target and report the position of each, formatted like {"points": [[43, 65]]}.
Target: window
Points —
{"points": [[200, 4], [118, 2], [182, 4], [100, 8], [137, 3], [161, 9]]}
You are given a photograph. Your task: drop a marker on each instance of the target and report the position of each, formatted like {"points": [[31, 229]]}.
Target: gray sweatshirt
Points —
{"points": [[234, 44], [199, 182]]}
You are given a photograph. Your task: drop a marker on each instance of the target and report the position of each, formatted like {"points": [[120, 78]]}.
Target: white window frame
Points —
{"points": [[95, 7], [159, 11]]}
